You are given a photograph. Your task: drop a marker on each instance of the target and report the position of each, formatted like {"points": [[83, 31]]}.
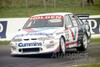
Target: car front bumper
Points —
{"points": [[46, 47]]}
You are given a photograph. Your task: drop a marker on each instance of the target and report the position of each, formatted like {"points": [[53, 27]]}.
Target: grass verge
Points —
{"points": [[95, 40], [17, 9], [28, 12], [89, 65], [4, 42]]}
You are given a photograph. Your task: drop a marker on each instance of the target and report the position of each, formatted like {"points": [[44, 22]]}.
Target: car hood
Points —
{"points": [[37, 32]]}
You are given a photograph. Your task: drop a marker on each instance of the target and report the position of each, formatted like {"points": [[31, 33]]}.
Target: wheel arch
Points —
{"points": [[63, 38]]}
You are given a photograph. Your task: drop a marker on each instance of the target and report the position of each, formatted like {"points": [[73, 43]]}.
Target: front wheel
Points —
{"points": [[84, 44], [62, 46]]}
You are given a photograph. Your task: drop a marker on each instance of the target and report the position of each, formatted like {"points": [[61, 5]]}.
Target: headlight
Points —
{"points": [[46, 38], [16, 40]]}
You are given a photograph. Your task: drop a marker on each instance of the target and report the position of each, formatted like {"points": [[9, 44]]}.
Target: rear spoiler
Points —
{"points": [[82, 16]]}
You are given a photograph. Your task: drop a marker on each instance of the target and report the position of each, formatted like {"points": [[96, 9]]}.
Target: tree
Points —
{"points": [[3, 2], [44, 4], [82, 3]]}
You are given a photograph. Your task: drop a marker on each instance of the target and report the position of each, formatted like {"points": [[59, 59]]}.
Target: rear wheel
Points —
{"points": [[84, 44]]}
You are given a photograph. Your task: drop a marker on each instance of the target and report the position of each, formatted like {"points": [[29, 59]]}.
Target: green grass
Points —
{"points": [[95, 40], [36, 7], [4, 42], [89, 65]]}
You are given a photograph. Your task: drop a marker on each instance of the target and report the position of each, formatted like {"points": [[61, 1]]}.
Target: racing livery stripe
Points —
{"points": [[70, 43], [75, 34], [28, 30], [39, 30], [44, 29], [72, 33]]}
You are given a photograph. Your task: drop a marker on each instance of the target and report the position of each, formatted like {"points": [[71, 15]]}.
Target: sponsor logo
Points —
{"points": [[50, 46], [30, 44], [46, 17], [31, 34]]}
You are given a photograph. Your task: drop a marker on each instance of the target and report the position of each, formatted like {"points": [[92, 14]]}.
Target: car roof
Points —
{"points": [[58, 13]]}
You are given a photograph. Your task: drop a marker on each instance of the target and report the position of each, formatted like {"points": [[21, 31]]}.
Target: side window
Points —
{"points": [[73, 20], [79, 21], [68, 22]]}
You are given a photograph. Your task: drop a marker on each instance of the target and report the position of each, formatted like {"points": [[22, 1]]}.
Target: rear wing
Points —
{"points": [[82, 16]]}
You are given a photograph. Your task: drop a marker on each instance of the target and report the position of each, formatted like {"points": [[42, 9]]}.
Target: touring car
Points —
{"points": [[51, 32]]}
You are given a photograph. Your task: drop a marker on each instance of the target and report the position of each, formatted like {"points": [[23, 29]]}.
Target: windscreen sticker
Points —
{"points": [[46, 17]]}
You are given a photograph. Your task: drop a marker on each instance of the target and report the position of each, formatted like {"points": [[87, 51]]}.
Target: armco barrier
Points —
{"points": [[10, 26]]}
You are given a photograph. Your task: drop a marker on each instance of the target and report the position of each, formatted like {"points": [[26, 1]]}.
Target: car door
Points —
{"points": [[81, 28], [74, 31], [70, 35]]}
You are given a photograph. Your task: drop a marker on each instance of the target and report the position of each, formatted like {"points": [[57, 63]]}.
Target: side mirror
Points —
{"points": [[19, 29]]}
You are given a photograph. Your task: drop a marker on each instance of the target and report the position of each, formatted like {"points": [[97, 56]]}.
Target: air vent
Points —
{"points": [[26, 39], [33, 38]]}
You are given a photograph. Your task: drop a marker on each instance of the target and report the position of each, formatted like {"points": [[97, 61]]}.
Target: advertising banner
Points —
{"points": [[10, 26], [3, 27], [94, 25]]}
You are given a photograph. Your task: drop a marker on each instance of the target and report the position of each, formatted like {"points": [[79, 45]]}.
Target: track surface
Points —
{"points": [[72, 57]]}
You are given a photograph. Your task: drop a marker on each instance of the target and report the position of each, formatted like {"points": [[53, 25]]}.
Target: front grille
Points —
{"points": [[30, 50]]}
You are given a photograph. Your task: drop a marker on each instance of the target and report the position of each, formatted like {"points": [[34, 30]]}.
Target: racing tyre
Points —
{"points": [[84, 44], [62, 46]]}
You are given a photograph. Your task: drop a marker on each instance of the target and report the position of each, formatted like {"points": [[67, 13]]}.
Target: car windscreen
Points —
{"points": [[44, 22]]}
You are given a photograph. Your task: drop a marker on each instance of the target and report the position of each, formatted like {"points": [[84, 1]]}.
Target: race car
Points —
{"points": [[51, 32]]}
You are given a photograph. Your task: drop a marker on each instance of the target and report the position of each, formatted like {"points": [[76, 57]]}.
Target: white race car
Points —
{"points": [[51, 32]]}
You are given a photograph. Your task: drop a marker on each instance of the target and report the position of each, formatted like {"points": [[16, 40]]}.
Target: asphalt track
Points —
{"points": [[72, 57]]}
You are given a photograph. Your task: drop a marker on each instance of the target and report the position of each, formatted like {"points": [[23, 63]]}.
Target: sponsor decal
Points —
{"points": [[74, 34], [3, 27], [31, 34], [37, 32], [46, 17], [50, 46], [30, 44]]}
